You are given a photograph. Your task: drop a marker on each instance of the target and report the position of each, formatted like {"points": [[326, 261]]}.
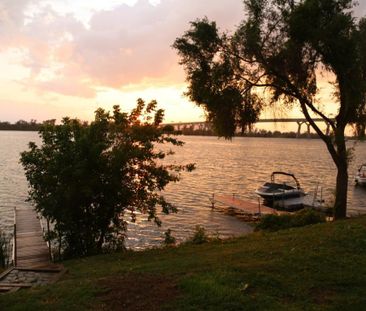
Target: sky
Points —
{"points": [[68, 57]]}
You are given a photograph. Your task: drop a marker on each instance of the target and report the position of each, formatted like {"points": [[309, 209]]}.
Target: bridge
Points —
{"points": [[205, 126]]}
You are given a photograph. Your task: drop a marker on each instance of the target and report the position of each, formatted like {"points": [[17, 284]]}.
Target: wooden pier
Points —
{"points": [[30, 248], [244, 207], [32, 265]]}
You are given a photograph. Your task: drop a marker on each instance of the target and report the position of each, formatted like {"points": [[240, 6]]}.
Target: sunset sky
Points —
{"points": [[68, 57]]}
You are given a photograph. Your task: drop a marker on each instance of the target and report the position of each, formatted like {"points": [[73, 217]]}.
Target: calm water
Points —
{"points": [[224, 167]]}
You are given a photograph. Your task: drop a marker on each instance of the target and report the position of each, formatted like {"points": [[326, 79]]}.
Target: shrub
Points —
{"points": [[87, 178], [199, 236], [4, 250], [299, 219], [169, 239], [307, 217]]}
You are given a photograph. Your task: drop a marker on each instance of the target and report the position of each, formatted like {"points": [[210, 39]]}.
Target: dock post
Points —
{"points": [[15, 238], [49, 240], [212, 199], [315, 194], [321, 197]]}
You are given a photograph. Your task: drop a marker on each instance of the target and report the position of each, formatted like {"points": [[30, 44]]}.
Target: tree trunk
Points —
{"points": [[101, 241], [338, 152], [341, 161], [340, 204]]}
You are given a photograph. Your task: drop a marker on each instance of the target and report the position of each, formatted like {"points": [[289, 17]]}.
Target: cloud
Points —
{"points": [[129, 44], [360, 9], [68, 87], [121, 46]]}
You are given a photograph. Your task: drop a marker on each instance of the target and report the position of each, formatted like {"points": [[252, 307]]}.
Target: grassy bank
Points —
{"points": [[317, 267]]}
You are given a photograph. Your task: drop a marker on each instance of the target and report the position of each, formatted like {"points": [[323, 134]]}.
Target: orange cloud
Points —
{"points": [[122, 46]]}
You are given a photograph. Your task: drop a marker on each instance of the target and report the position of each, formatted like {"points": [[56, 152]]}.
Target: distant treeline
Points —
{"points": [[254, 133], [20, 125], [275, 134], [32, 125]]}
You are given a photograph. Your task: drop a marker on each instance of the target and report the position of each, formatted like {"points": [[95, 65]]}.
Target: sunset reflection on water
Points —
{"points": [[223, 167]]}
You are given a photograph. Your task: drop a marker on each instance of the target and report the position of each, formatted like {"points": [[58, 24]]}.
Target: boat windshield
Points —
{"points": [[285, 179], [275, 186]]}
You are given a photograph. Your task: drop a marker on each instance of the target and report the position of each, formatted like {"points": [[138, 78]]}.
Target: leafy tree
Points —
{"points": [[87, 178], [276, 56]]}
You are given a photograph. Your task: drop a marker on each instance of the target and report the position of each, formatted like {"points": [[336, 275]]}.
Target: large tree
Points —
{"points": [[87, 178], [276, 56]]}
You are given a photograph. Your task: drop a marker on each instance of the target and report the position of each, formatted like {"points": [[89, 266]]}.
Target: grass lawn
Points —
{"points": [[318, 267]]}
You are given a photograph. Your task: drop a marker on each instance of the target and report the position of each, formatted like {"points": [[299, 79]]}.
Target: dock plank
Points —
{"points": [[245, 206], [32, 266], [32, 250]]}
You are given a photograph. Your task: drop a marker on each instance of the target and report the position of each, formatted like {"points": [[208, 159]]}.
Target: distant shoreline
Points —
{"points": [[20, 125], [17, 130], [290, 135], [267, 134], [302, 136]]}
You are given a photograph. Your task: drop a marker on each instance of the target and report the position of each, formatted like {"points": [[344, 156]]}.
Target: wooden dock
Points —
{"points": [[31, 250], [31, 259], [244, 206]]}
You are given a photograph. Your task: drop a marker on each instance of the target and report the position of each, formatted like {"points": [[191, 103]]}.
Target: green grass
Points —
{"points": [[318, 267]]}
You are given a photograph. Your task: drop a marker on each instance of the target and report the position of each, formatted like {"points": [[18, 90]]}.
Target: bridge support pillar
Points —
{"points": [[299, 124], [308, 132], [327, 131]]}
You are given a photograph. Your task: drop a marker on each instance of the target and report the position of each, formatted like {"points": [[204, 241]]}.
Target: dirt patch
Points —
{"points": [[136, 292]]}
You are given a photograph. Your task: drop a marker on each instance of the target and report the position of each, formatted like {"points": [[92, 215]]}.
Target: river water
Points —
{"points": [[223, 167]]}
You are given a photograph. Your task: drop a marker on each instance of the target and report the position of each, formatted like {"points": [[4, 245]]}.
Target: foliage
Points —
{"points": [[320, 267], [213, 83], [169, 239], [168, 128], [276, 56], [20, 125], [254, 133], [199, 236], [299, 219], [4, 250], [87, 178]]}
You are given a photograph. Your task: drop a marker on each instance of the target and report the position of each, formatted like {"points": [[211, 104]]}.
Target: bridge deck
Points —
{"points": [[31, 249]]}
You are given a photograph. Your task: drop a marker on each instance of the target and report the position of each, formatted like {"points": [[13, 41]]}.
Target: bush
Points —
{"points": [[299, 219], [169, 239], [308, 217], [200, 236], [87, 178], [4, 250]]}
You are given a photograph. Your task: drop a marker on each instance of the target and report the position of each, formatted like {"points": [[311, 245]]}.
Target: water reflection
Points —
{"points": [[223, 167]]}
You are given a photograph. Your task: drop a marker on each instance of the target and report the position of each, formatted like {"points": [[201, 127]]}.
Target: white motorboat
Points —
{"points": [[360, 178], [273, 191]]}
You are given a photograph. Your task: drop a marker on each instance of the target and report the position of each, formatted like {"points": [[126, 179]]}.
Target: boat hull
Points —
{"points": [[360, 177], [281, 195], [360, 180], [276, 192]]}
